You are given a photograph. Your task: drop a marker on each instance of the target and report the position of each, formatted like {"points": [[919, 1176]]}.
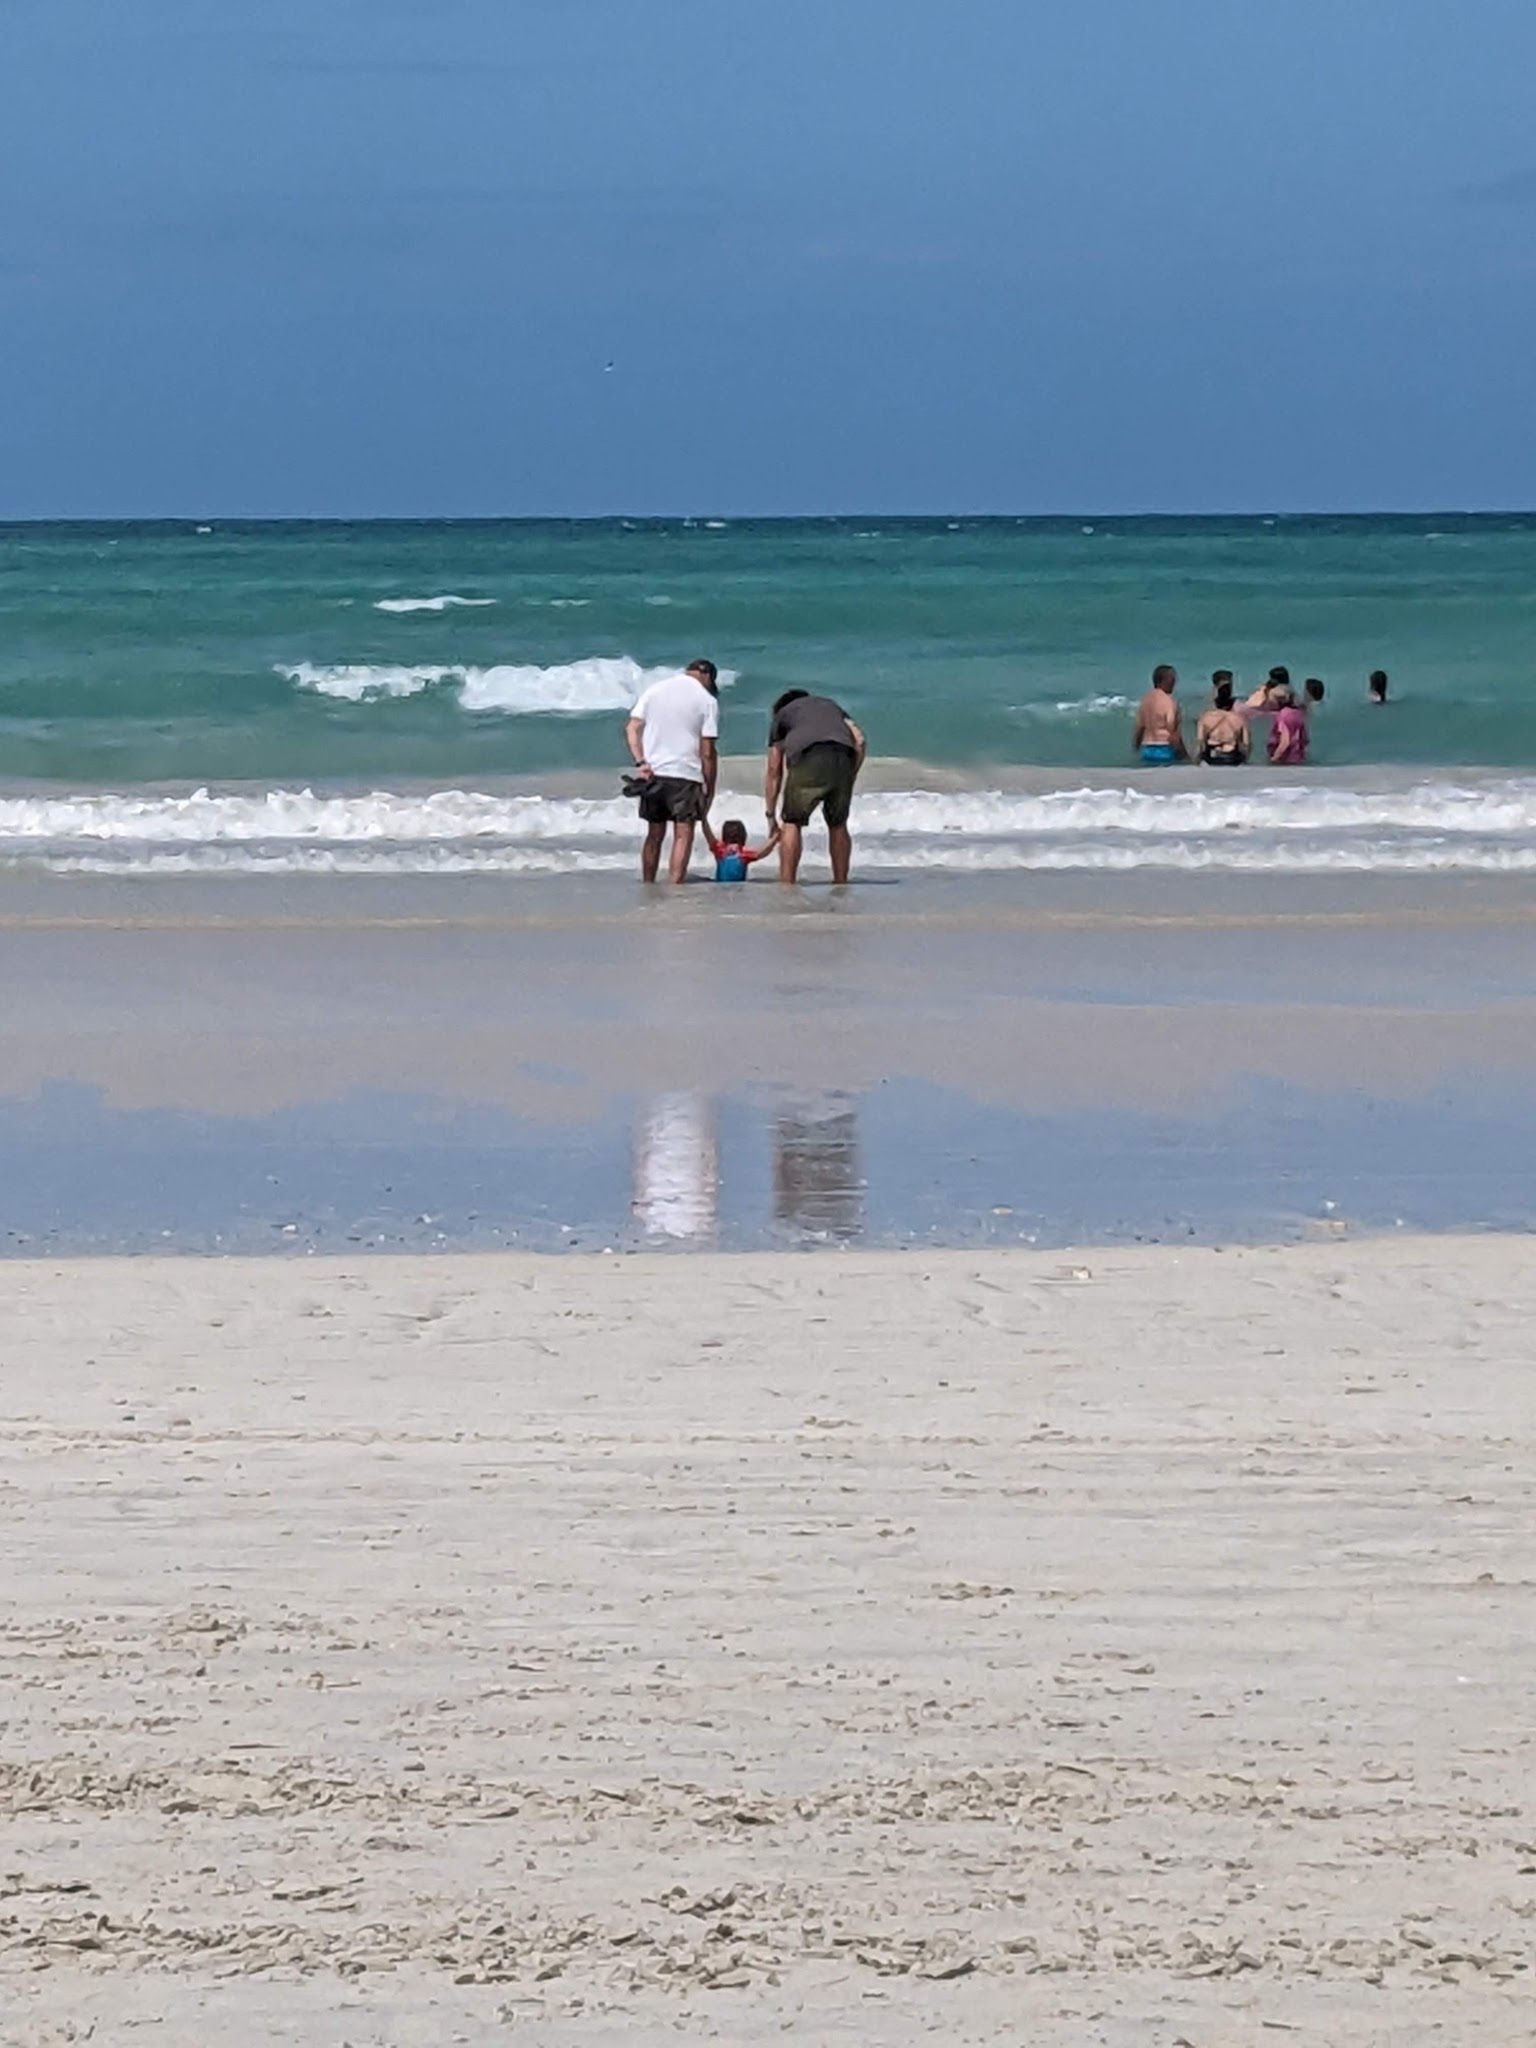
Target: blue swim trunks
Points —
{"points": [[1159, 756]]}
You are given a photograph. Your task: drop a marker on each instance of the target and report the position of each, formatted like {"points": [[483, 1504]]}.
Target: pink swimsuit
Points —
{"points": [[1288, 741]]}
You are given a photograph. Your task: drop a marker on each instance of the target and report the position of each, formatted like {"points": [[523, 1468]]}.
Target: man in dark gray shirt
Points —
{"points": [[815, 752]]}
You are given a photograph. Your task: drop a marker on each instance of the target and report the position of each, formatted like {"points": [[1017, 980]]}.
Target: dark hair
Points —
{"points": [[1165, 672], [1220, 676], [1223, 696], [1379, 681], [789, 697], [705, 671], [1314, 689], [733, 833], [1280, 674]]}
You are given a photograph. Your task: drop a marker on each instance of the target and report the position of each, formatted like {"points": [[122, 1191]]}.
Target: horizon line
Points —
{"points": [[206, 517]]}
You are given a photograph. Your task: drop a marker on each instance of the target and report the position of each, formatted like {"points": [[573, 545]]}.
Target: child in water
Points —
{"points": [[733, 856]]}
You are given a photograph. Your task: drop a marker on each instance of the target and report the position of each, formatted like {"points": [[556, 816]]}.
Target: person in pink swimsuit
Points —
{"points": [[1288, 737]]}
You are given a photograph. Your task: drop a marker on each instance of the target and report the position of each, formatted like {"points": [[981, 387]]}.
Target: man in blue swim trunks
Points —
{"points": [[1158, 741]]}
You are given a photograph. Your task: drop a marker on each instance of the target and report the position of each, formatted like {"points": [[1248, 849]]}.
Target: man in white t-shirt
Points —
{"points": [[671, 734]]}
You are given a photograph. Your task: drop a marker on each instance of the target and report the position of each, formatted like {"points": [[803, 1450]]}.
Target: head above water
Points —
{"points": [[1224, 696], [1279, 678], [789, 697], [1315, 689], [1379, 685], [733, 833], [706, 673], [1220, 676], [1164, 677]]}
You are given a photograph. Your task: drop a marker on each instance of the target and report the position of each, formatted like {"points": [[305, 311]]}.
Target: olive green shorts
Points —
{"points": [[822, 779]]}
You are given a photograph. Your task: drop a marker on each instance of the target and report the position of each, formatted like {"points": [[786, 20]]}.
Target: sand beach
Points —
{"points": [[1123, 1646]]}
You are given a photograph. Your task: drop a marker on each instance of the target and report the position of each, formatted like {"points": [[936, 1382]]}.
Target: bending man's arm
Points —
{"points": [[860, 744], [773, 782]]}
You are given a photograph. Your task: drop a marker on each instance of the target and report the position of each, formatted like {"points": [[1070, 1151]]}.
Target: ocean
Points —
{"points": [[424, 697]]}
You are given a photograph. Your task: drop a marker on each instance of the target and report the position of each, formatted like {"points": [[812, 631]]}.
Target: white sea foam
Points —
{"points": [[599, 683], [358, 681], [446, 603], [592, 685], [1073, 707], [1303, 828]]}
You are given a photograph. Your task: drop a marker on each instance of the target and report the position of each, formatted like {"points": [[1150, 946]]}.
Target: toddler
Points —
{"points": [[732, 854]]}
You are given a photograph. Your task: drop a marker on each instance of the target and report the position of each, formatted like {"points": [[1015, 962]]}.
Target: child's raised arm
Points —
{"points": [[767, 846]]}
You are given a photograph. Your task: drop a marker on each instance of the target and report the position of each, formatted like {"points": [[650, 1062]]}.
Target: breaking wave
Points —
{"points": [[1301, 829], [429, 604], [569, 689]]}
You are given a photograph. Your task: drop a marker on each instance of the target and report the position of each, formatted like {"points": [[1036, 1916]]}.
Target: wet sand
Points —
{"points": [[459, 1063], [1108, 1648], [545, 997]]}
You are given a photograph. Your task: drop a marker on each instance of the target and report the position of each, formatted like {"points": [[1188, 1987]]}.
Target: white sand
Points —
{"points": [[855, 1648]]}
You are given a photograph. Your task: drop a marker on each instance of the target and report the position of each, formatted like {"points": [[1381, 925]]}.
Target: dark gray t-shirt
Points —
{"points": [[810, 722]]}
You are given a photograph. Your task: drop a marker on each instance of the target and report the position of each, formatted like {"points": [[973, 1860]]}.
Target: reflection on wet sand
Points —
{"points": [[818, 1187], [679, 1180], [675, 1167]]}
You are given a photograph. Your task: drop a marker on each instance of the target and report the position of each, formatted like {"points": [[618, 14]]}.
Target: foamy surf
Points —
{"points": [[448, 602], [569, 689], [1301, 828]]}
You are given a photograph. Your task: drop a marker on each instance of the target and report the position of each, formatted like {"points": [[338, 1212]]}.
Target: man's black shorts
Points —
{"points": [[822, 779], [670, 800]]}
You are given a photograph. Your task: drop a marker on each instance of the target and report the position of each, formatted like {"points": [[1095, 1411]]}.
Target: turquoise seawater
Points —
{"points": [[134, 654], [449, 697]]}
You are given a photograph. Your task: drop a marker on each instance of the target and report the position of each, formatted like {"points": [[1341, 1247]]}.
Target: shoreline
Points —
{"points": [[878, 1645]]}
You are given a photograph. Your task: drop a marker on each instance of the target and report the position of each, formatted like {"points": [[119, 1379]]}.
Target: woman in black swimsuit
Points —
{"points": [[1222, 738]]}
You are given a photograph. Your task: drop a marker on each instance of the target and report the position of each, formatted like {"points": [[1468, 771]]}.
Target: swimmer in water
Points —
{"points": [[1158, 738], [1222, 738], [1288, 739], [1378, 686], [1278, 679]]}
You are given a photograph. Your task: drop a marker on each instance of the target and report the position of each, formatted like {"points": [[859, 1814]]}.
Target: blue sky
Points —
{"points": [[364, 257]]}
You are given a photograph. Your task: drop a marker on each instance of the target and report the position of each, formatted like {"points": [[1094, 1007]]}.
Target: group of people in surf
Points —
{"points": [[1224, 732]]}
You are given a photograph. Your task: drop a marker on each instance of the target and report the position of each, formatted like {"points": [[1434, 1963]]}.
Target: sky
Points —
{"points": [[361, 258]]}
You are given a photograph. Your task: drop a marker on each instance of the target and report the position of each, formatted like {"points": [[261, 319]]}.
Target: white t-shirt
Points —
{"points": [[677, 713]]}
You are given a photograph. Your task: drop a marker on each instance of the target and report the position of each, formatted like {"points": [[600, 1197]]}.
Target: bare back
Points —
{"points": [[1157, 720], [1222, 729]]}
